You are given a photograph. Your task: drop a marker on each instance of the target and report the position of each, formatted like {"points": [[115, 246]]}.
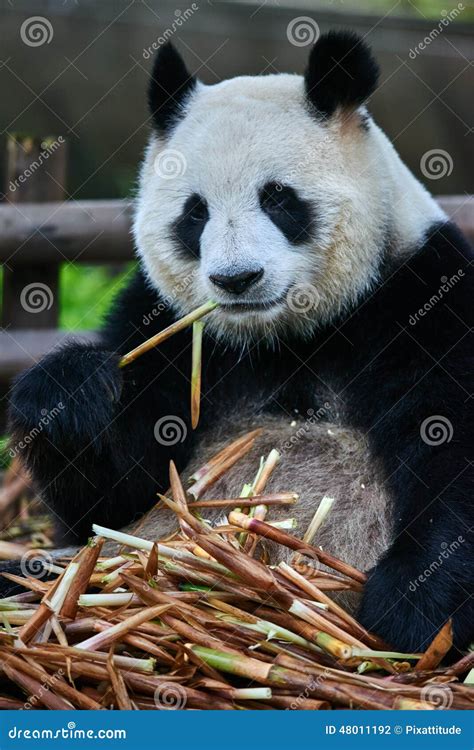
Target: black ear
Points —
{"points": [[341, 72], [169, 88]]}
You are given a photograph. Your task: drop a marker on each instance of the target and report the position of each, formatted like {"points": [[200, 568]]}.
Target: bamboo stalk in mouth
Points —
{"points": [[176, 327]]}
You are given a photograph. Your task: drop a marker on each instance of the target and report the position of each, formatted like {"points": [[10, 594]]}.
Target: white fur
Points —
{"points": [[242, 133]]}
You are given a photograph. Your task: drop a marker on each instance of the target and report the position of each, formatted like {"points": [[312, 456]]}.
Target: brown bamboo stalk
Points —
{"points": [[217, 470], [196, 361], [249, 544], [105, 638], [280, 498], [34, 689], [438, 648], [463, 665], [118, 685], [59, 685], [223, 454], [310, 588], [87, 562], [28, 583], [286, 540], [151, 569], [298, 703], [171, 330], [12, 550]]}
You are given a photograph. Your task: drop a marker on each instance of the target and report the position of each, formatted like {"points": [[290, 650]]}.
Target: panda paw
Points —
{"points": [[70, 398], [408, 612]]}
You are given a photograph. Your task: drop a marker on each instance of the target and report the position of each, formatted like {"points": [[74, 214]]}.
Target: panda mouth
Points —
{"points": [[245, 307]]}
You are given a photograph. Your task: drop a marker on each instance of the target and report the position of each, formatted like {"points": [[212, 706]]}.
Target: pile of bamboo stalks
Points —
{"points": [[201, 621]]}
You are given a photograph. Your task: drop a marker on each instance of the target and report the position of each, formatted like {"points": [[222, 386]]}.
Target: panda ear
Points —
{"points": [[170, 86], [341, 72]]}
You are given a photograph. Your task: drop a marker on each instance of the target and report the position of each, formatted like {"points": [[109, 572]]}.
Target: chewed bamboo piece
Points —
{"points": [[176, 327], [200, 618], [196, 364]]}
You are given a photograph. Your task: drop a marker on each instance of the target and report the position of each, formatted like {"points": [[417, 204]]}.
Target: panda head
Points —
{"points": [[276, 196]]}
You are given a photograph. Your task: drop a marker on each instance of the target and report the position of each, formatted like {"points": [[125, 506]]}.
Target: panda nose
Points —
{"points": [[238, 283]]}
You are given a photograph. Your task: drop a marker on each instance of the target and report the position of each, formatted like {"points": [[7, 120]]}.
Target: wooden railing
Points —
{"points": [[41, 236]]}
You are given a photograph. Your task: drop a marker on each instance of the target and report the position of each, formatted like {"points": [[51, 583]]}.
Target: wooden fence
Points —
{"points": [[35, 238]]}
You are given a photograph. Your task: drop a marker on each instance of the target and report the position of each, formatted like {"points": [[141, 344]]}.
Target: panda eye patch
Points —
{"points": [[290, 213], [197, 211], [189, 226]]}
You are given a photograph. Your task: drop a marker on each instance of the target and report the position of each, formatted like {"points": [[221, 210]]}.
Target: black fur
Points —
{"points": [[290, 213], [341, 72], [98, 459], [169, 89], [190, 225]]}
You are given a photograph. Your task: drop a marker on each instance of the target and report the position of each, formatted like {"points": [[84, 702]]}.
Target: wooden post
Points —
{"points": [[36, 172]]}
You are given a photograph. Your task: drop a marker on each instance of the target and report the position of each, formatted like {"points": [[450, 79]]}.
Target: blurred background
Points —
{"points": [[73, 76]]}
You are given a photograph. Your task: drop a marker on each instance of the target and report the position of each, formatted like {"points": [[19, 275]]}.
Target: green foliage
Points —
{"points": [[86, 293], [4, 457]]}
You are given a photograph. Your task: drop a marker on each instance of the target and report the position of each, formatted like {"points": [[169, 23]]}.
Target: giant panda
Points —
{"points": [[278, 197]]}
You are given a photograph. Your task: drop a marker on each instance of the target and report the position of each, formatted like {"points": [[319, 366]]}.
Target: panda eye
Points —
{"points": [[197, 210], [276, 197], [189, 226], [293, 215]]}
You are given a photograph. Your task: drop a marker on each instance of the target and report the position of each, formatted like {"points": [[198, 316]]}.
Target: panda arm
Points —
{"points": [[98, 439], [416, 405]]}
